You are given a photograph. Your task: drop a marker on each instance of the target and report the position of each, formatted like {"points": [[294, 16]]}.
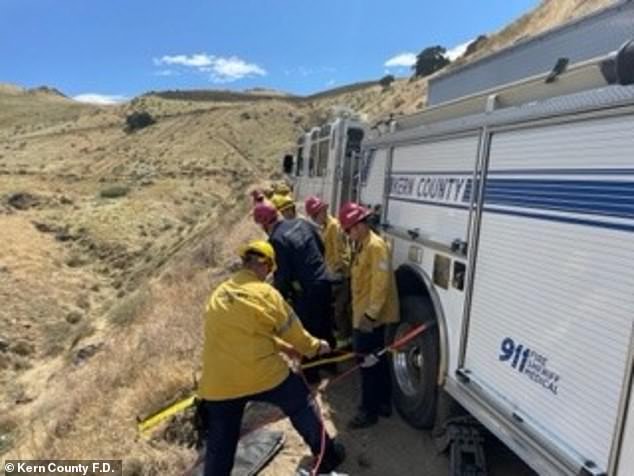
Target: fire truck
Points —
{"points": [[326, 162], [509, 207]]}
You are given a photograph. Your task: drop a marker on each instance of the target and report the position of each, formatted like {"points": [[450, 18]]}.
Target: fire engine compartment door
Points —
{"points": [[551, 320], [430, 188]]}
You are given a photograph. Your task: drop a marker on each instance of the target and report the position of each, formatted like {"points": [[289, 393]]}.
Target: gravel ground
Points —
{"points": [[389, 448]]}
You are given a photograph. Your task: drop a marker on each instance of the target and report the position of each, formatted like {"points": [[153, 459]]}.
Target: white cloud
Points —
{"points": [[166, 72], [104, 99], [407, 60], [331, 82], [233, 68], [220, 69], [457, 51], [193, 61], [403, 60]]}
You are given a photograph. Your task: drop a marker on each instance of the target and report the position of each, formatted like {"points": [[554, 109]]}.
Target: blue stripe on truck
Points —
{"points": [[586, 197]]}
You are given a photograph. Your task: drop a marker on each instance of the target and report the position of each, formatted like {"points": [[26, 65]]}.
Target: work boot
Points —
{"points": [[335, 455], [362, 420]]}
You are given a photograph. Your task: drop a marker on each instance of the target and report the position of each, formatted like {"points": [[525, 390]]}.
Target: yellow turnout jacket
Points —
{"points": [[244, 318], [337, 248], [373, 284]]}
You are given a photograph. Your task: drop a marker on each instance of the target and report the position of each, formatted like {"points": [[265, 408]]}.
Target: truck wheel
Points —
{"points": [[414, 366]]}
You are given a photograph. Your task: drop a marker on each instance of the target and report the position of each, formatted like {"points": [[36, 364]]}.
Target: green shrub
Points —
{"points": [[475, 45], [386, 80], [138, 120], [126, 310], [115, 191], [430, 60]]}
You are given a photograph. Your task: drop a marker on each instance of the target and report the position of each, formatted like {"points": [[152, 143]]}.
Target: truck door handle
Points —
{"points": [[413, 233], [459, 246]]}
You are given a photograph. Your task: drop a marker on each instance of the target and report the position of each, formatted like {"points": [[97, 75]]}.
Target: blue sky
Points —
{"points": [[122, 48]]}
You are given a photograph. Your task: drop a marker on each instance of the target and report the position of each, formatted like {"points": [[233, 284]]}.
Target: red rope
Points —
{"points": [[322, 444], [395, 345], [401, 341]]}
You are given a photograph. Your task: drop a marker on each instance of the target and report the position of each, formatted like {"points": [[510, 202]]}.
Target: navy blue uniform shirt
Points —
{"points": [[299, 254]]}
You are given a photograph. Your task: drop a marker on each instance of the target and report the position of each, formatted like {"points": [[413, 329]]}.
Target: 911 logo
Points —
{"points": [[529, 363]]}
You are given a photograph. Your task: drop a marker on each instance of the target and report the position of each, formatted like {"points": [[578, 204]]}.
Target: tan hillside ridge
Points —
{"points": [[548, 14], [110, 243]]}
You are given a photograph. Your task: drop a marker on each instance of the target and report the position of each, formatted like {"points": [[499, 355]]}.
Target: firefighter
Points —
{"points": [[301, 276], [337, 256], [285, 205], [245, 317], [281, 188], [374, 306]]}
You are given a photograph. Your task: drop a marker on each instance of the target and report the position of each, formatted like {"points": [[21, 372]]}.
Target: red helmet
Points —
{"points": [[314, 205], [257, 196], [264, 213], [352, 213]]}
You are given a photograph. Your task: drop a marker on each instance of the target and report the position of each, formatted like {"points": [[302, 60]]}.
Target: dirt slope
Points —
{"points": [[89, 216]]}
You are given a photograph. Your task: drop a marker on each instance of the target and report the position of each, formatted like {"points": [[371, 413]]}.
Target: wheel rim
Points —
{"points": [[408, 363]]}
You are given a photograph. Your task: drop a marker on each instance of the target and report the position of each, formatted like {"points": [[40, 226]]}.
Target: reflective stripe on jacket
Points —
{"points": [[337, 247], [373, 283], [244, 317]]}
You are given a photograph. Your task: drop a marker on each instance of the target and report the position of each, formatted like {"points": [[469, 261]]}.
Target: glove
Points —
{"points": [[369, 361], [366, 324], [324, 348]]}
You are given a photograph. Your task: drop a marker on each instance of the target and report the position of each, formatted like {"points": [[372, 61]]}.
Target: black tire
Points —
{"points": [[414, 366]]}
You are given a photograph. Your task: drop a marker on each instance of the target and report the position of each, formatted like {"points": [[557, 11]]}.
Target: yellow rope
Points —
{"points": [[146, 425], [330, 360]]}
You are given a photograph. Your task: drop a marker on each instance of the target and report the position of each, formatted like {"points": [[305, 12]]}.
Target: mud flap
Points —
{"points": [[254, 452]]}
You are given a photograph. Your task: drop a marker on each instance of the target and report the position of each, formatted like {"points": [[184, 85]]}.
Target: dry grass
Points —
{"points": [[151, 355], [187, 176], [141, 367], [129, 309], [46, 110]]}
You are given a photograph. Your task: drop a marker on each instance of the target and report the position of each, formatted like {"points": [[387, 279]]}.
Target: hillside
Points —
{"points": [[111, 242], [94, 222], [548, 14], [29, 110]]}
